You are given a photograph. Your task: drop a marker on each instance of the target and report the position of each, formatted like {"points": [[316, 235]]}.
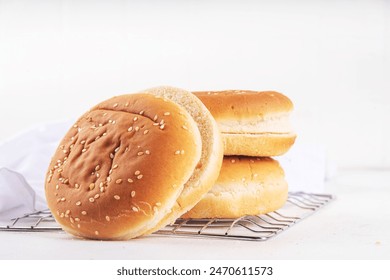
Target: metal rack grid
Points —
{"points": [[257, 228]]}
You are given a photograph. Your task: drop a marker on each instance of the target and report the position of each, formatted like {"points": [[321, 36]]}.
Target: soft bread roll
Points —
{"points": [[120, 169], [207, 170], [252, 123], [245, 186]]}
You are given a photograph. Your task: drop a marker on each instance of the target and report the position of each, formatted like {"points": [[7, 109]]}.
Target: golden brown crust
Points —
{"points": [[245, 186], [266, 144], [242, 104], [120, 169]]}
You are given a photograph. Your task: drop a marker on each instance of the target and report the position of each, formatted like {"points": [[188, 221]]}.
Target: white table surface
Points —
{"points": [[354, 226]]}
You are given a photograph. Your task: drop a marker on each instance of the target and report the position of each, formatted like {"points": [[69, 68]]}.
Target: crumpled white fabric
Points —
{"points": [[24, 160]]}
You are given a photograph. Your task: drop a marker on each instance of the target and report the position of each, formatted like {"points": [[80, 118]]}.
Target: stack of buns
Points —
{"points": [[135, 163], [254, 127]]}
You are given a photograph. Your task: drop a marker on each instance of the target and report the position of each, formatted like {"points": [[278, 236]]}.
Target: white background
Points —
{"points": [[332, 58]]}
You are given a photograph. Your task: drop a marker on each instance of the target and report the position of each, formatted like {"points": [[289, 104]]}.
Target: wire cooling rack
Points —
{"points": [[299, 205]]}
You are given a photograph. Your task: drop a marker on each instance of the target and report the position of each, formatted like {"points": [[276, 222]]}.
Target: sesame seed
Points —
{"points": [[146, 131], [63, 199], [110, 172], [155, 117], [104, 134], [108, 179], [75, 126], [107, 218], [141, 113], [83, 213], [162, 122], [147, 152], [115, 105], [111, 155], [110, 121], [137, 172], [167, 114], [115, 166], [101, 189], [97, 138], [91, 199], [156, 124], [78, 203], [117, 197], [78, 226], [140, 153], [162, 126], [96, 232], [177, 152], [114, 121], [101, 184], [77, 219], [97, 167], [62, 215], [71, 220], [119, 181], [91, 186], [135, 209], [57, 187], [182, 152], [233, 161], [116, 150], [82, 142], [76, 186], [135, 119], [155, 209], [67, 212], [139, 177], [127, 104], [130, 180], [100, 124], [136, 128], [132, 193], [184, 127], [65, 151], [130, 129], [83, 150], [97, 196]]}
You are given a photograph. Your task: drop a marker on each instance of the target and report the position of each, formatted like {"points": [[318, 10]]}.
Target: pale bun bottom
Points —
{"points": [[257, 145], [252, 187]]}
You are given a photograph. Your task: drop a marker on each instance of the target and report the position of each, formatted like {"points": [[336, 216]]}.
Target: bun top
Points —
{"points": [[241, 170], [241, 104], [120, 168]]}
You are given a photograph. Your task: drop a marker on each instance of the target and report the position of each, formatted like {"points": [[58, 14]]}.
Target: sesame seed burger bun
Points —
{"points": [[207, 170], [245, 186], [121, 168], [252, 123]]}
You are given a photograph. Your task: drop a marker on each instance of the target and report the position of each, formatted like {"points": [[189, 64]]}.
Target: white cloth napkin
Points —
{"points": [[24, 160]]}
